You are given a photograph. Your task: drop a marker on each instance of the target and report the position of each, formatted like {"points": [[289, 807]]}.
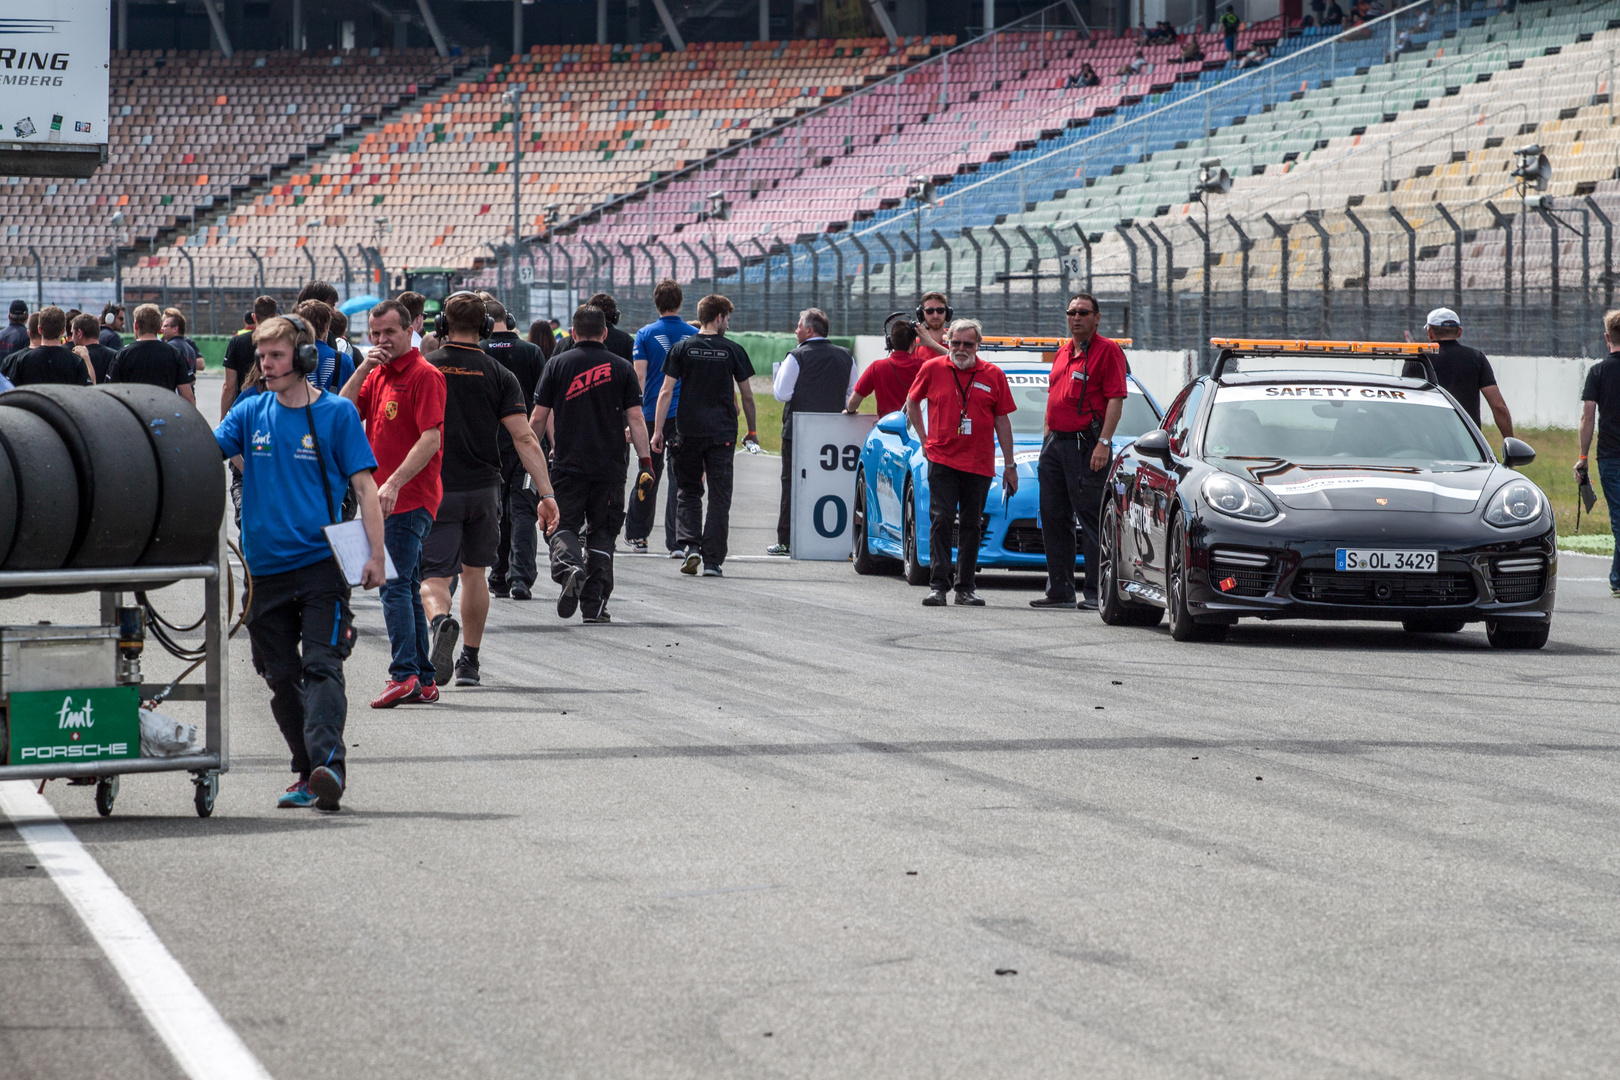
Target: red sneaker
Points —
{"points": [[397, 692], [427, 695]]}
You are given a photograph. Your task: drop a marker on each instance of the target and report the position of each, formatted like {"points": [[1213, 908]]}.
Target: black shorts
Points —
{"points": [[466, 532]]}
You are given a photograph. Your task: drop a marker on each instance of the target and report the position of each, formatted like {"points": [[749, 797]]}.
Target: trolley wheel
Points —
{"points": [[106, 793], [207, 787]]}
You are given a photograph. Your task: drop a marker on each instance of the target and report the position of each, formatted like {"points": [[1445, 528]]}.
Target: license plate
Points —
{"points": [[1387, 560]]}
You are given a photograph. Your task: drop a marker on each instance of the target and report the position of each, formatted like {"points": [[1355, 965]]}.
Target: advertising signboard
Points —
{"points": [[53, 87], [74, 725]]}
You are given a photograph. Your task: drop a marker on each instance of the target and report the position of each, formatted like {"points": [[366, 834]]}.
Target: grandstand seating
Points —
{"points": [[598, 121], [189, 127]]}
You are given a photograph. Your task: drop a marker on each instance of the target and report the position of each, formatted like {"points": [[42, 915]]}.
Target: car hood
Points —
{"points": [[1434, 487]]}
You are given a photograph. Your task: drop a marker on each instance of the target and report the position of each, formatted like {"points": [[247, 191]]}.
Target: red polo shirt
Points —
{"points": [[922, 352], [984, 389], [889, 378], [398, 401], [1097, 374]]}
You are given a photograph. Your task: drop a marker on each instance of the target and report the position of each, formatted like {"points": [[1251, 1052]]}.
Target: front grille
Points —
{"points": [[1242, 573], [1387, 590], [1024, 538], [1511, 584]]}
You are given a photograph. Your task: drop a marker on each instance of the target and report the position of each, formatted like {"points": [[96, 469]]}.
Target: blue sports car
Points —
{"points": [[891, 485]]}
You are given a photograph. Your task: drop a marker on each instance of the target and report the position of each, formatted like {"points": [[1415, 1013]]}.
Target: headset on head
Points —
{"points": [[306, 358], [441, 321], [950, 313], [888, 324]]}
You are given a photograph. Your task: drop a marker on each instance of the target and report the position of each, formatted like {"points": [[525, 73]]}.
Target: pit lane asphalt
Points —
{"points": [[790, 823]]}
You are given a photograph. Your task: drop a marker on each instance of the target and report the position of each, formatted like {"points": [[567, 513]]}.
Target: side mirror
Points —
{"points": [[1155, 443], [1516, 453], [894, 424]]}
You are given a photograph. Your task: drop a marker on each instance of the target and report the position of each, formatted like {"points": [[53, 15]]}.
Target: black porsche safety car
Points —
{"points": [[1273, 492]]}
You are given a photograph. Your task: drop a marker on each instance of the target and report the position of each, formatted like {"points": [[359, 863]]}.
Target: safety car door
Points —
{"points": [[1156, 487]]}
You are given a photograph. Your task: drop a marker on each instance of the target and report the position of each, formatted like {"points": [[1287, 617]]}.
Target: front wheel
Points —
{"points": [[1111, 603], [106, 795], [865, 562], [916, 573], [1503, 634], [1182, 625]]}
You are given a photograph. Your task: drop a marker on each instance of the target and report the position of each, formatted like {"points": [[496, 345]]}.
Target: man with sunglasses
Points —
{"points": [[932, 331], [1085, 394]]}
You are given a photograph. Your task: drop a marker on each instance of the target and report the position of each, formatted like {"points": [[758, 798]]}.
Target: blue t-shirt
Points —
{"points": [[283, 510], [653, 343], [331, 363]]}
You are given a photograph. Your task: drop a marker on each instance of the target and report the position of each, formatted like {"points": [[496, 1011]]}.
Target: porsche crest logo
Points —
{"points": [[390, 410]]}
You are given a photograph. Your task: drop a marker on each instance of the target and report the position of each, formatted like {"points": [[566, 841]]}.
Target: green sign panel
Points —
{"points": [[51, 726]]}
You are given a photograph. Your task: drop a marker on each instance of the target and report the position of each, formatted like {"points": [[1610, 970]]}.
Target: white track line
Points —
{"points": [[202, 1043]]}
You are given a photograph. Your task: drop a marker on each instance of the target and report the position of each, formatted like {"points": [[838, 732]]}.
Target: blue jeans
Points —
{"points": [[402, 597], [1609, 477]]}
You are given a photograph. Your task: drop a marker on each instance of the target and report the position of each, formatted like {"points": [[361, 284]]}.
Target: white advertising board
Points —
{"points": [[53, 73], [826, 453]]}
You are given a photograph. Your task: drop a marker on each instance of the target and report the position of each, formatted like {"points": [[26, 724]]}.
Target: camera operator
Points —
{"points": [[300, 450], [1085, 394]]}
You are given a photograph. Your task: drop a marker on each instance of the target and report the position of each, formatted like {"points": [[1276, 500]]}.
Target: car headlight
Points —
{"points": [[1517, 503], [1239, 498]]}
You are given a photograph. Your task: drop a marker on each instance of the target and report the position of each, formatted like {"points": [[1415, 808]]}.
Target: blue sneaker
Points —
{"points": [[296, 797], [326, 783]]}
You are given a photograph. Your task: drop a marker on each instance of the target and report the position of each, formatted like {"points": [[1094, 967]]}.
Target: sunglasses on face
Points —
{"points": [[964, 344], [1080, 313], [933, 311]]}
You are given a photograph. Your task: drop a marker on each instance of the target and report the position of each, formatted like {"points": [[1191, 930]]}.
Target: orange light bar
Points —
{"points": [[1280, 345]]}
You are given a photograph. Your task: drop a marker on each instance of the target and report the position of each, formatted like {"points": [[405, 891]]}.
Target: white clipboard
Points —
{"points": [[352, 548]]}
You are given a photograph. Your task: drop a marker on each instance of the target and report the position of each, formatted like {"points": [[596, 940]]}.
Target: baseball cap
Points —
{"points": [[19, 307], [1444, 316]]}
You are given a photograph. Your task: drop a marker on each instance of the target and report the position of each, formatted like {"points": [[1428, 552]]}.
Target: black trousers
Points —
{"points": [[595, 508], [954, 498], [716, 457], [1070, 489], [301, 629], [639, 518], [784, 517], [520, 517]]}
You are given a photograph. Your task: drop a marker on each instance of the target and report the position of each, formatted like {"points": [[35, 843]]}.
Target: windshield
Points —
{"points": [[1029, 394], [431, 286], [1329, 423]]}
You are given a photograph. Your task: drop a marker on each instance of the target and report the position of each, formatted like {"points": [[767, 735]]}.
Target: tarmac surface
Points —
{"points": [[790, 823]]}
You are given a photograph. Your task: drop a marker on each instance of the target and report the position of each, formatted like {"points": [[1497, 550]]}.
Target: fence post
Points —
{"points": [[978, 263], [348, 278], [674, 264], [1153, 277], [894, 261], [714, 266], [741, 277], [629, 254], [192, 268], [568, 257], [809, 242], [1086, 240], [1366, 268], [841, 298], [254, 255], [1124, 230], [1313, 218], [916, 266], [1456, 257], [1065, 282], [1006, 277], [1204, 304], [652, 269], [1245, 245], [1552, 232], [697, 267], [866, 275], [1172, 321], [313, 275], [1608, 252], [596, 265], [1281, 233], [1411, 258], [788, 249], [1034, 274], [939, 242]]}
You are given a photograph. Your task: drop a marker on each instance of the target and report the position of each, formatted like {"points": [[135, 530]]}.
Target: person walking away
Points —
{"points": [[149, 360], [51, 361], [301, 449], [969, 402], [1085, 394], [112, 326], [481, 398], [87, 345], [14, 337], [514, 571], [816, 377], [589, 395], [889, 377], [173, 332], [401, 399], [702, 370], [651, 345], [332, 368], [1463, 372], [617, 341], [1600, 408], [933, 317], [240, 353]]}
